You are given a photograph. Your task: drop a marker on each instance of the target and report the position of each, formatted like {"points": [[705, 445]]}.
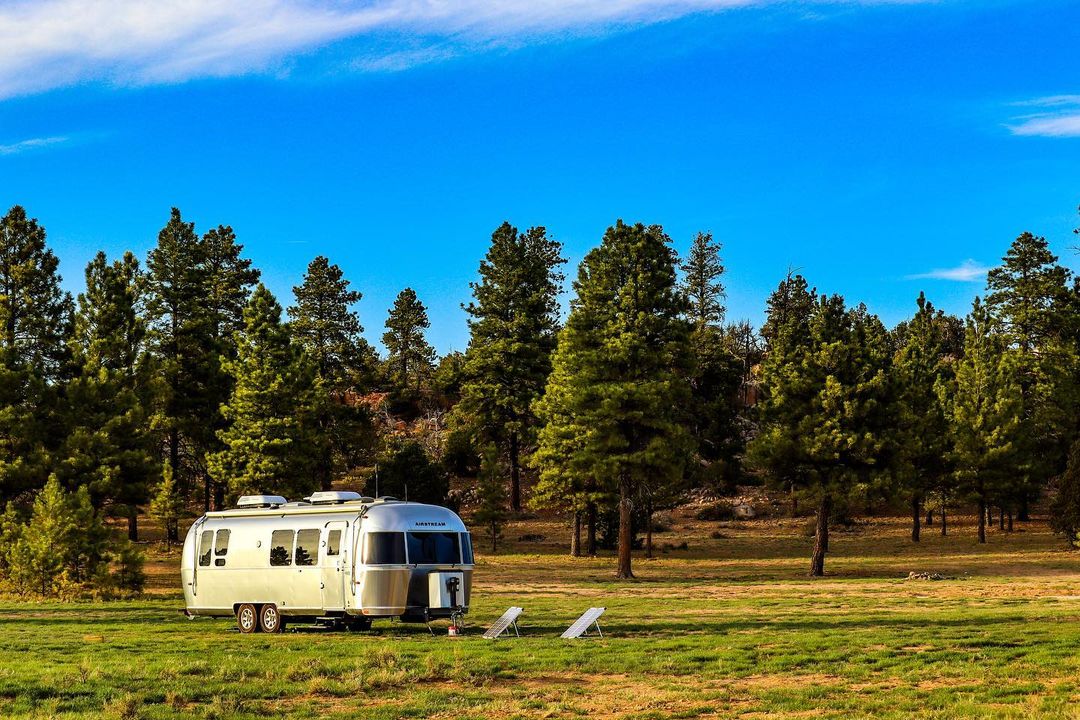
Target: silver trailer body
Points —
{"points": [[359, 559]]}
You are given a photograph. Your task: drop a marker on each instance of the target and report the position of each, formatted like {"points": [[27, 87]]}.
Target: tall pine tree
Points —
{"points": [[325, 324], [620, 372], [513, 321], [109, 448], [35, 323], [921, 367], [985, 413], [271, 441], [181, 334], [410, 359], [717, 371]]}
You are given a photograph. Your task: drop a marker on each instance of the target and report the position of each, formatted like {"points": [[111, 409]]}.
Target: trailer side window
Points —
{"points": [[434, 548], [466, 549], [206, 544], [384, 548], [333, 542], [281, 547], [307, 547], [221, 547]]}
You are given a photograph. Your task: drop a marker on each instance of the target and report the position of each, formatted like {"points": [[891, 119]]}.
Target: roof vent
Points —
{"points": [[332, 497], [386, 498], [260, 501]]}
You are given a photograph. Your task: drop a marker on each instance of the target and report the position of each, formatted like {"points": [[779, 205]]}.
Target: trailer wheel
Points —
{"points": [[247, 619], [270, 619]]}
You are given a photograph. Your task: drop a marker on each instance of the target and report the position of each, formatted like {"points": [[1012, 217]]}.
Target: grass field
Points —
{"points": [[728, 627]]}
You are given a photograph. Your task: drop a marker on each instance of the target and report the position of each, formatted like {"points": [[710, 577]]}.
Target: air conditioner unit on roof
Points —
{"points": [[332, 497], [257, 501]]}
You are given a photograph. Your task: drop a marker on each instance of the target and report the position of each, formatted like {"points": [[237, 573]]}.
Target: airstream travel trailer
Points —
{"points": [[335, 558]]}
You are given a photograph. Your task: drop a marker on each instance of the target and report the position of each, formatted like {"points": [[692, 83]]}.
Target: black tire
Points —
{"points": [[270, 620], [247, 618]]}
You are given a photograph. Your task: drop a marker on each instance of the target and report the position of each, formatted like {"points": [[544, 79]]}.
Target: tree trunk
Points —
{"points": [[821, 537], [590, 530], [626, 536], [1009, 527], [982, 517], [575, 537], [326, 470], [648, 529], [207, 482], [515, 474], [133, 524], [494, 537], [944, 521], [219, 496], [1001, 518], [929, 517], [794, 501], [1023, 515], [916, 515]]}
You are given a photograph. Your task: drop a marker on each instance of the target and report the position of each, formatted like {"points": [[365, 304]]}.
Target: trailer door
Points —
{"points": [[334, 565]]}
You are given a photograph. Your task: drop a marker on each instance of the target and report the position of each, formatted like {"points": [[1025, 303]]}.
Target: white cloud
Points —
{"points": [[1063, 120], [967, 271], [54, 43], [31, 144]]}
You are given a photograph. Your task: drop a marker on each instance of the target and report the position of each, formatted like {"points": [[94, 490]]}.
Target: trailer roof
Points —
{"points": [[378, 515]]}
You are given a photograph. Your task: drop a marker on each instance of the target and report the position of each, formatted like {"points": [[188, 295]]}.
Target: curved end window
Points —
{"points": [[384, 548], [434, 548], [466, 549], [206, 547]]}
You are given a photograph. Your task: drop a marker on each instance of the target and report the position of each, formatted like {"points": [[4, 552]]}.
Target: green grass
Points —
{"points": [[729, 628]]}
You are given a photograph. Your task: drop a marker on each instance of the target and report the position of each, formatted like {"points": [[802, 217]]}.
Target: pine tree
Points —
{"points": [[230, 279], [703, 283], [1028, 298], [411, 359], [620, 371], [41, 553], [513, 321], [35, 322], [824, 417], [270, 443], [921, 366], [491, 497], [786, 397], [166, 506], [181, 337], [717, 372], [406, 471], [325, 325], [985, 412], [1065, 511], [109, 448]]}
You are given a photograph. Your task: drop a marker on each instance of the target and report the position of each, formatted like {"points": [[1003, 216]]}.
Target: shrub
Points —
{"points": [[406, 471]]}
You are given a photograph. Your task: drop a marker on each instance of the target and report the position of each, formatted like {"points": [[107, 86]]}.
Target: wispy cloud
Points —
{"points": [[31, 144], [54, 43], [967, 271], [1059, 117]]}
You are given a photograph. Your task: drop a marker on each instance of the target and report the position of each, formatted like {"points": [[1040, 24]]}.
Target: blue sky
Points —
{"points": [[878, 148]]}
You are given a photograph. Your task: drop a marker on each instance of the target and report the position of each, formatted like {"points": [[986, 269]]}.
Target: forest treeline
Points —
{"points": [[177, 382]]}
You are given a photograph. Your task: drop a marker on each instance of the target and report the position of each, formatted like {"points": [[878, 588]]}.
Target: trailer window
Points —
{"points": [[307, 547], [206, 544], [333, 542], [466, 549], [281, 547], [221, 547], [434, 548], [384, 548]]}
